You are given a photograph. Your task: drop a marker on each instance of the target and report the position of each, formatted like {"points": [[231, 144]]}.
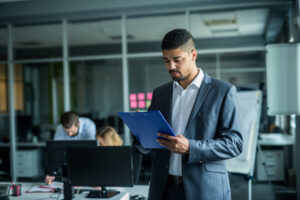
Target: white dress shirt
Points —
{"points": [[182, 103], [86, 131]]}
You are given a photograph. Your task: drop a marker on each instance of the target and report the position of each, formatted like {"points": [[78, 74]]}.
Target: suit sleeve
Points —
{"points": [[228, 142]]}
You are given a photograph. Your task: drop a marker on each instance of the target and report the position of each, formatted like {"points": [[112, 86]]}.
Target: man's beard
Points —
{"points": [[75, 134], [177, 78]]}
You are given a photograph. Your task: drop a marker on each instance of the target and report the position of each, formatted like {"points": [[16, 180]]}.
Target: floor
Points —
{"points": [[260, 190]]}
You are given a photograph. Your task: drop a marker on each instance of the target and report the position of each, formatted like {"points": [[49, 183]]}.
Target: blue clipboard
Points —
{"points": [[146, 125]]}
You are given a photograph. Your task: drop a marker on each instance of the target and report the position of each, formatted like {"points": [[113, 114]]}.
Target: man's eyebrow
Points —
{"points": [[176, 57]]}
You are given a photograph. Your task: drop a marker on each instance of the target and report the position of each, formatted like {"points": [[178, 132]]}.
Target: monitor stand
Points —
{"points": [[68, 190], [104, 193]]}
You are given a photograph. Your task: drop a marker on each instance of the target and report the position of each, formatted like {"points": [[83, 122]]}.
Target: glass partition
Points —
{"points": [[244, 69], [96, 37], [242, 60], [4, 116], [96, 90], [37, 41], [18, 85], [36, 102], [145, 74], [207, 62], [4, 97], [3, 89], [3, 43], [247, 80]]}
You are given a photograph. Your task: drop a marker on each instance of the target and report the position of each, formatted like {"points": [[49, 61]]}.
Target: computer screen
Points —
{"points": [[56, 153], [100, 166]]}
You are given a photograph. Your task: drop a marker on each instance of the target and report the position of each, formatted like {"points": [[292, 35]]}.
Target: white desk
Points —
{"points": [[275, 139], [125, 192], [25, 144], [272, 160]]}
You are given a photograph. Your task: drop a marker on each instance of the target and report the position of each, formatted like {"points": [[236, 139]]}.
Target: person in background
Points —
{"points": [[108, 136], [73, 127]]}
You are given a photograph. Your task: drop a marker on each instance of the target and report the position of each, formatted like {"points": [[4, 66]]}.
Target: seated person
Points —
{"points": [[73, 127], [108, 136]]}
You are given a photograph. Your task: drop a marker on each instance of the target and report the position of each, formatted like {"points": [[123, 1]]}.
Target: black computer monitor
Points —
{"points": [[56, 153], [100, 166]]}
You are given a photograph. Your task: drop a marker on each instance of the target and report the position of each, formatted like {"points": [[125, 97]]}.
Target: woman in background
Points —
{"points": [[108, 136]]}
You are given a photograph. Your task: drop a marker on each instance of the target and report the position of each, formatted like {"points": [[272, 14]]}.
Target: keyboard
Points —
{"points": [[102, 194]]}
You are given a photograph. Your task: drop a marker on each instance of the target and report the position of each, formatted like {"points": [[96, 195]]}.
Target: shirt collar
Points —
{"points": [[196, 82]]}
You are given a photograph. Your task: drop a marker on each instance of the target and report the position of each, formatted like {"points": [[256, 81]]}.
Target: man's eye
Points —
{"points": [[167, 61], [177, 61]]}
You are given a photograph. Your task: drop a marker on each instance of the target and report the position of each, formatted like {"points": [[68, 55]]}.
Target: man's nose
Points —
{"points": [[172, 65]]}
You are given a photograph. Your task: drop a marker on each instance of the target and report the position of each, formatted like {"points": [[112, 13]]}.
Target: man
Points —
{"points": [[73, 127], [203, 114]]}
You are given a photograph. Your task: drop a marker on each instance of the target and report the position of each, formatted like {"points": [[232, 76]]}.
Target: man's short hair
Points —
{"points": [[178, 38], [67, 119]]}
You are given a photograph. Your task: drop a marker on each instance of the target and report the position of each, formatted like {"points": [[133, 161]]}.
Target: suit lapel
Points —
{"points": [[167, 103], [202, 93]]}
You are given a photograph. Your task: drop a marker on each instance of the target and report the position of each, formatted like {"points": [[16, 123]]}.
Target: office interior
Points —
{"points": [[102, 57]]}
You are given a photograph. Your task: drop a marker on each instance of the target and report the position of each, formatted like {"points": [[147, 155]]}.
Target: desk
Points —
{"points": [[275, 139], [137, 189], [28, 158], [25, 144], [273, 156]]}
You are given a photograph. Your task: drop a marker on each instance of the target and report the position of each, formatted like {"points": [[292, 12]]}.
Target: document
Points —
{"points": [[146, 125], [45, 188], [38, 189]]}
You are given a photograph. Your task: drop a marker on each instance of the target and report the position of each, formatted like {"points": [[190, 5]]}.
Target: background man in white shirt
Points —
{"points": [[73, 127]]}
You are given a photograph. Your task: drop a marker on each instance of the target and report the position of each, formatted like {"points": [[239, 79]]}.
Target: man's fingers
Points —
{"points": [[168, 137], [162, 141]]}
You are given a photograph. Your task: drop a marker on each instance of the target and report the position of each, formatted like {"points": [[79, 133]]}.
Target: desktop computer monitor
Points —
{"points": [[56, 153], [100, 166]]}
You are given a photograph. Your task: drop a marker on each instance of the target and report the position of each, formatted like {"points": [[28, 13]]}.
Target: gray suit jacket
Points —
{"points": [[213, 130]]}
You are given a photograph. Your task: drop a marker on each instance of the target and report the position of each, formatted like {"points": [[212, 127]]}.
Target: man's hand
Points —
{"points": [[178, 144], [49, 179]]}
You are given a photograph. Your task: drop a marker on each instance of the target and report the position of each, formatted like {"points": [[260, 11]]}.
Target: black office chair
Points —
{"points": [[137, 164]]}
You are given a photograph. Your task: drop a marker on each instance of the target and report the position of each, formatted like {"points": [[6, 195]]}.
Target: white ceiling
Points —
{"points": [[237, 23], [10, 1]]}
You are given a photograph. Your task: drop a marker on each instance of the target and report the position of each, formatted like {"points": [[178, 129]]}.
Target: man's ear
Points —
{"points": [[194, 55]]}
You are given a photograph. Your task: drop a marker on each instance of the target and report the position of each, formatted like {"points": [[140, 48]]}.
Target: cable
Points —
{"points": [[58, 194]]}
